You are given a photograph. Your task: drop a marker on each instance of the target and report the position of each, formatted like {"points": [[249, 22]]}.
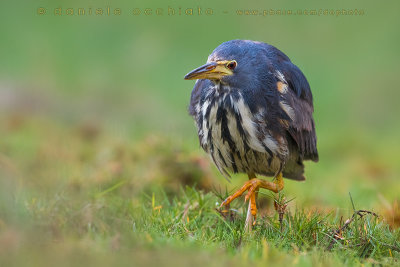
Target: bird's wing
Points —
{"points": [[296, 104]]}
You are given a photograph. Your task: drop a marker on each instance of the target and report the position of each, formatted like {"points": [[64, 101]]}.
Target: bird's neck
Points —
{"points": [[221, 88]]}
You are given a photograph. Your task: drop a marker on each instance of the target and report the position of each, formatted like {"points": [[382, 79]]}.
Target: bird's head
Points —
{"points": [[233, 63]]}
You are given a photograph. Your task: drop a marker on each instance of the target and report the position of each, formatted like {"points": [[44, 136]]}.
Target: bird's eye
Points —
{"points": [[231, 65]]}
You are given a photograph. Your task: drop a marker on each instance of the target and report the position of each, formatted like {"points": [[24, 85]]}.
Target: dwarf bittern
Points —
{"points": [[253, 111]]}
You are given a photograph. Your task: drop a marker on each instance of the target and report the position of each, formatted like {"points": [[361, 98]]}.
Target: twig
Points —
{"points": [[280, 205], [338, 233], [185, 211], [391, 247]]}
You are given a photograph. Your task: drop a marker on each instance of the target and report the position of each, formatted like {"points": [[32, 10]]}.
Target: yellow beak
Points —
{"points": [[211, 70]]}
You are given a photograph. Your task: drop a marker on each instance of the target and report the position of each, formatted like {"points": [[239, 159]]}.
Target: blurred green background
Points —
{"points": [[86, 101]]}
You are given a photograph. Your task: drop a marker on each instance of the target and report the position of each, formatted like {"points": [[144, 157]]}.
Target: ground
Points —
{"points": [[78, 196]]}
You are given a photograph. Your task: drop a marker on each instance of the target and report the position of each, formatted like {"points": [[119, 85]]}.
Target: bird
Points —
{"points": [[253, 109]]}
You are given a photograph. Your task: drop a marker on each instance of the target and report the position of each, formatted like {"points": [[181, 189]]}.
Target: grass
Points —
{"points": [[120, 229], [107, 201]]}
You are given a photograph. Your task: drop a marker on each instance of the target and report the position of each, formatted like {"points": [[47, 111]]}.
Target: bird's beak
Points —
{"points": [[211, 70]]}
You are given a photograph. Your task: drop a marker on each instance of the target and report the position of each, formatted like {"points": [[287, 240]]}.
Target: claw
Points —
{"points": [[253, 205], [252, 187]]}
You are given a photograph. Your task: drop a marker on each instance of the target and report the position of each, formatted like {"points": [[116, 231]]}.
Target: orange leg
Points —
{"points": [[252, 187]]}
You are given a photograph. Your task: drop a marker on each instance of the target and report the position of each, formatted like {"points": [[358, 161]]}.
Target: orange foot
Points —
{"points": [[252, 186]]}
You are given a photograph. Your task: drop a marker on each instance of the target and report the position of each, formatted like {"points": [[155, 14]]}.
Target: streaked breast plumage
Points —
{"points": [[229, 132]]}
